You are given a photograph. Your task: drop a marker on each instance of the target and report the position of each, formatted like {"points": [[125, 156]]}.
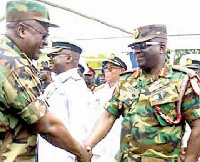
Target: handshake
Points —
{"points": [[85, 154]]}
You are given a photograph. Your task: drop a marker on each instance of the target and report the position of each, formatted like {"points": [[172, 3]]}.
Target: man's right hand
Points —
{"points": [[85, 155]]}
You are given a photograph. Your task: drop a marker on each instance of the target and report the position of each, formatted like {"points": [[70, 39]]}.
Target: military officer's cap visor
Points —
{"points": [[54, 52]]}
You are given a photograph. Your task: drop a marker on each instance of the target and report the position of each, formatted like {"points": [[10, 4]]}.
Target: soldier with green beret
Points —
{"points": [[156, 100], [23, 112]]}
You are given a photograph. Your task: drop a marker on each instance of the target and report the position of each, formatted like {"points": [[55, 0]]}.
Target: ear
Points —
{"points": [[69, 58], [123, 70], [20, 31], [162, 48]]}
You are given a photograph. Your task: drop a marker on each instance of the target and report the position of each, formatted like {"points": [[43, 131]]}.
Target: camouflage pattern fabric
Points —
{"points": [[148, 32], [19, 10], [144, 133], [20, 105]]}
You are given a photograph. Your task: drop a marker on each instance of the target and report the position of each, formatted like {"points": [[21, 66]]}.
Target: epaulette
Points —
{"points": [[193, 77], [99, 87], [184, 69]]}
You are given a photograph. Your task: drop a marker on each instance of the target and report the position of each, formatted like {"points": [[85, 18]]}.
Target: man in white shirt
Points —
{"points": [[68, 98], [108, 147]]}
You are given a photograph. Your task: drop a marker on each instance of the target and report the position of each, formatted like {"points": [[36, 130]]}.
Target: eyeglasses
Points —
{"points": [[143, 45], [44, 34], [110, 68]]}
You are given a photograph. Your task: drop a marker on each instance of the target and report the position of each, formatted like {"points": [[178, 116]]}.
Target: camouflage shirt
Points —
{"points": [[20, 105], [144, 132]]}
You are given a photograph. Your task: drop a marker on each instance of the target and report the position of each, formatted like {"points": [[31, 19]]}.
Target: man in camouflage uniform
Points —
{"points": [[155, 100], [22, 112]]}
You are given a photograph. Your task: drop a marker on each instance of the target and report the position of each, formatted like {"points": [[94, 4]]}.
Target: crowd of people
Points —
{"points": [[65, 113]]}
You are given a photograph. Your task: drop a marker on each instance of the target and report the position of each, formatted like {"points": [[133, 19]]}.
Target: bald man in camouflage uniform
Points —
{"points": [[155, 100], [22, 112]]}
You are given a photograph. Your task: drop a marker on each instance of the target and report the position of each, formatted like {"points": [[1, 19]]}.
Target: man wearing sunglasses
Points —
{"points": [[155, 100], [23, 112]]}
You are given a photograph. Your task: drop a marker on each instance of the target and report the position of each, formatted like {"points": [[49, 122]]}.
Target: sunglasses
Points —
{"points": [[44, 34], [143, 45]]}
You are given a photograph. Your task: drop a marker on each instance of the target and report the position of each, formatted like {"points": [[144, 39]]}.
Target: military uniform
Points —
{"points": [[145, 133], [154, 109], [20, 105]]}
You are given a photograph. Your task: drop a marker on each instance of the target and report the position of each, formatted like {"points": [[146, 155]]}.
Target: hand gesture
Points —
{"points": [[85, 155]]}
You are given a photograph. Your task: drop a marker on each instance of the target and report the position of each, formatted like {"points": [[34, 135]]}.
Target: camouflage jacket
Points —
{"points": [[144, 132], [20, 105]]}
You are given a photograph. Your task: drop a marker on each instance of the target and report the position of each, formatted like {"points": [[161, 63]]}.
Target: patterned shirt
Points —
{"points": [[144, 131], [20, 105]]}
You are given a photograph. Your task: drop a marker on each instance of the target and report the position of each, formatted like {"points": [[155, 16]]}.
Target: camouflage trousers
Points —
{"points": [[148, 159]]}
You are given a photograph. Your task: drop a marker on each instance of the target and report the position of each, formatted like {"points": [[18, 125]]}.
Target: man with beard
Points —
{"points": [[23, 113], [155, 101]]}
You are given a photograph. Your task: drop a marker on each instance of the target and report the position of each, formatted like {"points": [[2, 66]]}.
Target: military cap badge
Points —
{"points": [[136, 33], [112, 56]]}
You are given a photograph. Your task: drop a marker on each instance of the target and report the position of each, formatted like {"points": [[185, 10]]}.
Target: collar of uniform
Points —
{"points": [[71, 73], [7, 41], [11, 44], [165, 72], [107, 85]]}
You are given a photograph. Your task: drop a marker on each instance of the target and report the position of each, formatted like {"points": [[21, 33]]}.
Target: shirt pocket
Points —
{"points": [[127, 100], [166, 98]]}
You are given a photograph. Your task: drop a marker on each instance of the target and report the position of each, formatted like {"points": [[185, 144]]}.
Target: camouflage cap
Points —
{"points": [[27, 10], [148, 32]]}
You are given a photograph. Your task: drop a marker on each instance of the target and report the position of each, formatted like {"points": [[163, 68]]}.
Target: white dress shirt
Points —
{"points": [[68, 97], [106, 149]]}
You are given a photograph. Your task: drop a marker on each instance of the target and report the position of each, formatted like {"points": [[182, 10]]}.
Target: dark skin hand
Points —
{"points": [[57, 134]]}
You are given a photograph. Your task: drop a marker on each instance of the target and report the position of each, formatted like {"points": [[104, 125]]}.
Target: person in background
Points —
{"points": [[24, 113], [194, 64], [106, 150], [89, 78], [44, 64], [68, 97], [100, 79], [81, 70], [156, 100], [45, 77]]}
